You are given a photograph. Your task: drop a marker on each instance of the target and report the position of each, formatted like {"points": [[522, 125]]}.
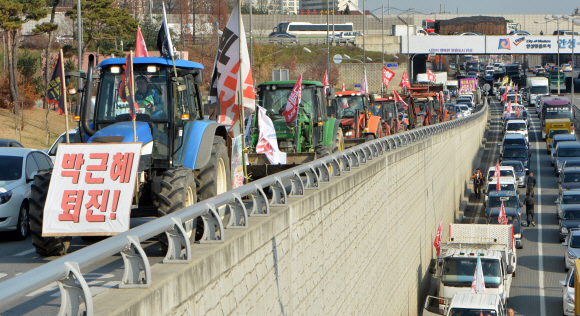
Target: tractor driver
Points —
{"points": [[148, 98]]}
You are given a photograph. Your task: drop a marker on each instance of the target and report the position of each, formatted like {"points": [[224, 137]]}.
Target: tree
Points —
{"points": [[196, 7], [13, 14], [220, 12], [150, 29], [346, 10], [102, 21]]}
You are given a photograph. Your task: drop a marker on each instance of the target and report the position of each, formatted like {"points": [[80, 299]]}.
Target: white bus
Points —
{"points": [[305, 28]]}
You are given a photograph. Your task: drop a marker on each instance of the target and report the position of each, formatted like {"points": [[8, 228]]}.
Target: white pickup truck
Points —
{"points": [[455, 267], [464, 304]]}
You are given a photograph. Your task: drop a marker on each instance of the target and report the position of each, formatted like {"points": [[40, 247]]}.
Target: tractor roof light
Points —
{"points": [[115, 69], [273, 87], [151, 69]]}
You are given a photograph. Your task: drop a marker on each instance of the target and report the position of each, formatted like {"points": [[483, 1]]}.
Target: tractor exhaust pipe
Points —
{"points": [[88, 95]]}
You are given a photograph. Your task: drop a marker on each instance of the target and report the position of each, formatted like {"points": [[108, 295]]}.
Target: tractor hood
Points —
{"points": [[123, 133], [282, 129]]}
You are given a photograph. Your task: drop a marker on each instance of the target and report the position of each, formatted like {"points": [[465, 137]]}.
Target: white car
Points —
{"points": [[62, 139], [566, 67], [19, 166], [518, 126], [504, 171], [568, 293]]}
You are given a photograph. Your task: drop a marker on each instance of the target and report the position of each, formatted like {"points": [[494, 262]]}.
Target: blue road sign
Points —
{"points": [[392, 65], [357, 85]]}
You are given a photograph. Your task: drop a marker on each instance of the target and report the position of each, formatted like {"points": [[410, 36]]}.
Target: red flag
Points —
{"points": [[140, 47], [343, 87], [509, 107], [399, 99], [502, 219], [497, 186], [430, 76], [325, 81], [291, 110], [518, 112], [127, 87], [405, 80], [437, 242], [504, 96], [496, 173], [388, 75]]}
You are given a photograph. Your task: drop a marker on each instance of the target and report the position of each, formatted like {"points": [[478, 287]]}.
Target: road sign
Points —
{"points": [[337, 59], [392, 65], [357, 85], [486, 87]]}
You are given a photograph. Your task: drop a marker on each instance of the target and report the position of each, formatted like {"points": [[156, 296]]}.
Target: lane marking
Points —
{"points": [[537, 214], [24, 253]]}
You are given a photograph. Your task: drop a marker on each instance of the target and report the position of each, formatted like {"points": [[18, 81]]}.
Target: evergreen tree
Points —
{"points": [[346, 10]]}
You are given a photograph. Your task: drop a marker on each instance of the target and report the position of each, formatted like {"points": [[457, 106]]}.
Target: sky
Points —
{"points": [[479, 7]]}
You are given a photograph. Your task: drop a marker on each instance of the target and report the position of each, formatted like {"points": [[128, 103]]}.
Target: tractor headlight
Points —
{"points": [[287, 144]]}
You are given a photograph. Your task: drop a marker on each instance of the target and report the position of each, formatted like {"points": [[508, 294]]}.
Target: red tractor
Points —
{"points": [[388, 110], [355, 111]]}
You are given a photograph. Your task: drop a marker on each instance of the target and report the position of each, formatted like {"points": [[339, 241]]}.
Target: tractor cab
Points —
{"points": [[387, 109], [357, 115]]}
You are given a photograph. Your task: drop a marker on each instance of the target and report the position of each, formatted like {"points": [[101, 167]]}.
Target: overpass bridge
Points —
{"points": [[358, 241]]}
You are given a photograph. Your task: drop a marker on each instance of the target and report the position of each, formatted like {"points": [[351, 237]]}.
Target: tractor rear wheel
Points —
{"points": [[214, 179], [45, 246], [177, 190]]}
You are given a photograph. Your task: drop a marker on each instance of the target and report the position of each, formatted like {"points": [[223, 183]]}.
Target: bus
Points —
{"points": [[555, 111], [554, 77], [429, 26], [306, 28]]}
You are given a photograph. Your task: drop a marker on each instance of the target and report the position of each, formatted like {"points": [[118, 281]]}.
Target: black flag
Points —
{"points": [[56, 87], [164, 44]]}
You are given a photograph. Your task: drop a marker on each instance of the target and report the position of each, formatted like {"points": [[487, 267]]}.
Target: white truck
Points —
{"points": [[455, 267], [440, 78], [464, 304], [536, 86], [401, 30]]}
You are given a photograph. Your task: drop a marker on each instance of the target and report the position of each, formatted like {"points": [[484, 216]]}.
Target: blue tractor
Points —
{"points": [[184, 158]]}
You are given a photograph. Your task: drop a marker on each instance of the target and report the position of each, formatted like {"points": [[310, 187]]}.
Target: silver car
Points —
{"points": [[568, 293], [572, 244], [566, 198]]}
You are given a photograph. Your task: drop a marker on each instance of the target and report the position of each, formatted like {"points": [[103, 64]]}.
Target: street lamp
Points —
{"points": [[557, 18], [538, 22], [346, 57], [309, 51], [574, 21]]}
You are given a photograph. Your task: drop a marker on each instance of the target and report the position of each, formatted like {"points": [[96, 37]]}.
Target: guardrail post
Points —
{"points": [[238, 214], [260, 205], [134, 258], [279, 197], [73, 288], [213, 228], [176, 239], [312, 180], [297, 185]]}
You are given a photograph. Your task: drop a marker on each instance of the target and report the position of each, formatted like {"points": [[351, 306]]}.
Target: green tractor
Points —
{"points": [[312, 135]]}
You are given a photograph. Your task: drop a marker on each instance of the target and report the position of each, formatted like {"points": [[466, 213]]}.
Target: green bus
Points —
{"points": [[557, 76]]}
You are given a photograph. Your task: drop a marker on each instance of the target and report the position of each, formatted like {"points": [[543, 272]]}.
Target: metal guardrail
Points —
{"points": [[245, 201]]}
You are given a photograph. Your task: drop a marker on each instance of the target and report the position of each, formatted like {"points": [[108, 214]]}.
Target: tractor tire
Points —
{"points": [[177, 190], [45, 246], [338, 141], [213, 179]]}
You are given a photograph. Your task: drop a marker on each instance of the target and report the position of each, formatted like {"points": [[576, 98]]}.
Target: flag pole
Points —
{"points": [[241, 87], [132, 92], [63, 95]]}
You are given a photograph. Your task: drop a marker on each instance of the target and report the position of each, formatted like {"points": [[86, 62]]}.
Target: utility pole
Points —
{"points": [[80, 53], [383, 41], [251, 38]]}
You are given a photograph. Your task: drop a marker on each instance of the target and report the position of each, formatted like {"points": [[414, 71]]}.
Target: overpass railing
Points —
{"points": [[243, 202]]}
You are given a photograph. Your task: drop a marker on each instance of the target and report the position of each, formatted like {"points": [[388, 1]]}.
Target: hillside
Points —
{"points": [[33, 133]]}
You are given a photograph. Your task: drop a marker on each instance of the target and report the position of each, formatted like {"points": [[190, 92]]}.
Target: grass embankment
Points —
{"points": [[34, 131], [289, 51]]}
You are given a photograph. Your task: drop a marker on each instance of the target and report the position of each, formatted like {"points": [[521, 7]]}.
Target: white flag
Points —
{"points": [[364, 87], [224, 86], [478, 283], [267, 142]]}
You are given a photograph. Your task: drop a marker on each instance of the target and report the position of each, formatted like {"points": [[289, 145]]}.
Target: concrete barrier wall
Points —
{"points": [[360, 245]]}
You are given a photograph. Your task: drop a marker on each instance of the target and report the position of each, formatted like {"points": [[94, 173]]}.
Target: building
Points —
{"points": [[318, 5]]}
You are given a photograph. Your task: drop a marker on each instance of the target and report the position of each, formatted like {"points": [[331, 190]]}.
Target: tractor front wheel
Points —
{"points": [[338, 141], [45, 246]]}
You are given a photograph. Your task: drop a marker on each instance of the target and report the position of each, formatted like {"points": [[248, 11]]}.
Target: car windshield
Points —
{"points": [[571, 199], [512, 98], [569, 152], [514, 141], [508, 201], [11, 168], [517, 166], [572, 163], [274, 101], [556, 112], [515, 153], [464, 108], [472, 312], [512, 219], [346, 106], [150, 94], [60, 140], [558, 132], [502, 186], [502, 173], [574, 242], [571, 177], [539, 90], [460, 271], [516, 127], [571, 281], [571, 215]]}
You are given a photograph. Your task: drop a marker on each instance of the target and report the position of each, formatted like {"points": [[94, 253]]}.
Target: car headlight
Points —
{"points": [[348, 134], [517, 235], [570, 256], [563, 230], [5, 195], [569, 299], [526, 162]]}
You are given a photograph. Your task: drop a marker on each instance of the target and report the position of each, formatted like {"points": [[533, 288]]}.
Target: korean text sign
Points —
{"points": [[91, 189]]}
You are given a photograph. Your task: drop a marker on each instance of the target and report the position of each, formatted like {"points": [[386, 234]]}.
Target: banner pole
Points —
{"points": [[132, 92], [63, 95], [241, 91]]}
